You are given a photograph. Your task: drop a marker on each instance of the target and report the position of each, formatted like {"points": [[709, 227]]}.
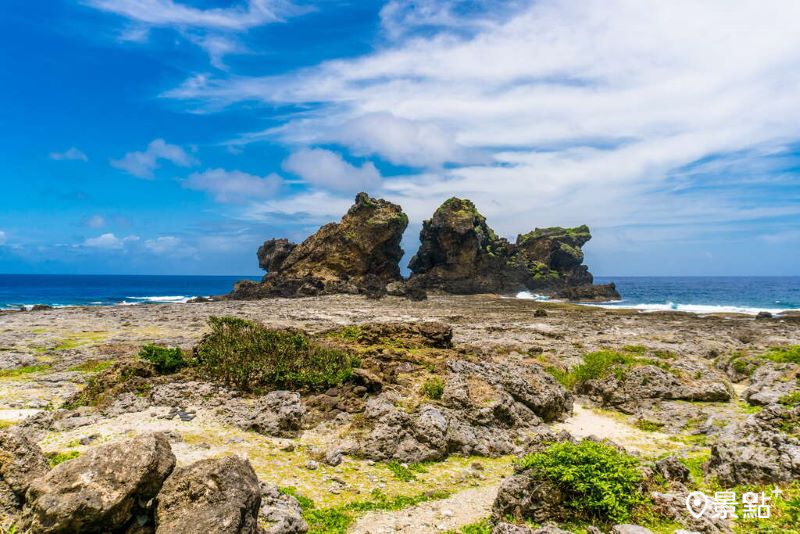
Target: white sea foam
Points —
{"points": [[700, 309], [527, 295], [177, 299]]}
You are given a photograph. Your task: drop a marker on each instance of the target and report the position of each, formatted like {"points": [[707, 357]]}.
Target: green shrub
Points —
{"points": [[166, 360], [61, 457], [790, 354], [790, 399], [247, 355], [433, 388], [598, 481]]}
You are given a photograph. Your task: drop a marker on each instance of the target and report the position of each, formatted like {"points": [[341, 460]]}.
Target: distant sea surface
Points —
{"points": [[683, 293], [707, 294], [17, 290]]}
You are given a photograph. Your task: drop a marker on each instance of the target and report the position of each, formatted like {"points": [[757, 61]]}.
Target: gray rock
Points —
{"points": [[100, 490], [21, 461], [673, 506], [630, 529], [10, 502], [772, 381], [278, 413], [525, 496], [652, 382], [508, 528], [758, 451], [281, 513], [220, 495], [673, 470]]}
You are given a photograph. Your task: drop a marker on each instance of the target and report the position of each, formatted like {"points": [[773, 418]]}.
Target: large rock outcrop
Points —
{"points": [[360, 254], [461, 254], [214, 495], [102, 490]]}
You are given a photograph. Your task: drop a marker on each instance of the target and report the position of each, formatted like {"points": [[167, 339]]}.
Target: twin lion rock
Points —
{"points": [[459, 254]]}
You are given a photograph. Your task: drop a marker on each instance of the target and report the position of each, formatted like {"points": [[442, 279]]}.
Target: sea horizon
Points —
{"points": [[647, 293]]}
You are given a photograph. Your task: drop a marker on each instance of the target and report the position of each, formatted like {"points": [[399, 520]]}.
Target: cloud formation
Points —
{"points": [[72, 154], [95, 221], [109, 241], [550, 112], [2, 238], [233, 186], [326, 169], [143, 164], [213, 29]]}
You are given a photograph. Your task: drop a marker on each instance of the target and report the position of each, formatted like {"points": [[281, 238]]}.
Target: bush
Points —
{"points": [[165, 360], [790, 354], [599, 482], [247, 355], [433, 388]]}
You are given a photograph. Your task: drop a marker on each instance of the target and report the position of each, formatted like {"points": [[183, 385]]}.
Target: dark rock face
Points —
{"points": [[215, 495], [101, 490], [278, 413], [360, 254], [461, 254], [281, 512], [771, 382], [759, 450]]}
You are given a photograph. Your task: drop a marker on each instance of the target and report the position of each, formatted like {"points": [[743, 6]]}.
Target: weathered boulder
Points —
{"points": [[281, 512], [278, 413], [100, 490], [21, 461], [509, 528], [630, 529], [486, 409], [460, 253], [418, 334], [771, 382], [273, 253], [759, 450], [647, 381], [220, 495], [360, 254]]}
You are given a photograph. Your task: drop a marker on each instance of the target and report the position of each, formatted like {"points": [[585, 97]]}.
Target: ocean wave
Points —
{"points": [[177, 299], [527, 295], [700, 309]]}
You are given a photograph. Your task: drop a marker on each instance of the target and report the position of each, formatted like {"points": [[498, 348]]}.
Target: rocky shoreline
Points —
{"points": [[442, 396]]}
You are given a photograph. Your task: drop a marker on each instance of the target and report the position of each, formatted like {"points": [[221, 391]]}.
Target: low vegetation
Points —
{"points": [[433, 388], [599, 482], [790, 354], [405, 472], [247, 355], [22, 371], [166, 360], [61, 457]]}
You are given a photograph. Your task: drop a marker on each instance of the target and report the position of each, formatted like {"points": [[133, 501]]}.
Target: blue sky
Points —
{"points": [[174, 136]]}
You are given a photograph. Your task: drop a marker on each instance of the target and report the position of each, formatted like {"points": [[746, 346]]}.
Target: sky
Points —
{"points": [[175, 136]]}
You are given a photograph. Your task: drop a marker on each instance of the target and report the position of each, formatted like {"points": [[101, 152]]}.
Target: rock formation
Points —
{"points": [[360, 254], [461, 254]]}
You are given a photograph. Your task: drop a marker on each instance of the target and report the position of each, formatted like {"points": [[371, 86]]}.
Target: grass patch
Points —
{"points": [[433, 388], [634, 349], [338, 519], [648, 426], [405, 472], [599, 482], [790, 354], [247, 355], [61, 457], [166, 360], [22, 371], [790, 399], [480, 527]]}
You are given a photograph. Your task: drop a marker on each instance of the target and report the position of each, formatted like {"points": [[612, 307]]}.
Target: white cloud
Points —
{"points": [[326, 169], [555, 112], [109, 241], [2, 237], [71, 154], [168, 244], [233, 186], [170, 13], [142, 164], [95, 221]]}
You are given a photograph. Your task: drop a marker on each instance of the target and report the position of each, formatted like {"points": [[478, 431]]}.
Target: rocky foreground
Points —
{"points": [[456, 412]]}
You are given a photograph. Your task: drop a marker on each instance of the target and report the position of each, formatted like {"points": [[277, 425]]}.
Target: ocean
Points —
{"points": [[749, 294], [703, 294], [18, 290]]}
